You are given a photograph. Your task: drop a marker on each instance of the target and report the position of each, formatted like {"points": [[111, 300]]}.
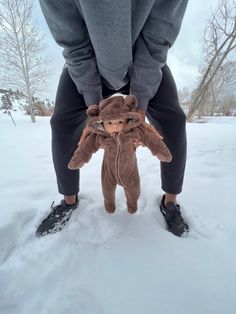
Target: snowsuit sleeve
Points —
{"points": [[84, 152], [69, 30], [150, 51], [154, 142]]}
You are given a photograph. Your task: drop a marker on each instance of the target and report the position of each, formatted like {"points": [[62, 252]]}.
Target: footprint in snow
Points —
{"points": [[11, 234], [203, 227]]}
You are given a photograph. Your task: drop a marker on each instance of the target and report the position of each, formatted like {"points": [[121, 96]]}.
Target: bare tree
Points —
{"points": [[219, 42], [20, 50], [222, 87], [228, 105], [184, 96]]}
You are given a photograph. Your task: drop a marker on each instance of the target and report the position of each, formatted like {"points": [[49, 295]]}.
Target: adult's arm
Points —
{"points": [[150, 51], [69, 31]]}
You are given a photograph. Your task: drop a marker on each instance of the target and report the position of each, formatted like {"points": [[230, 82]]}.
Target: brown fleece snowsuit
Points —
{"points": [[119, 162]]}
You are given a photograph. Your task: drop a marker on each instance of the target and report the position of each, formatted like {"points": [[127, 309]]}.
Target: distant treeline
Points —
{"points": [[14, 99]]}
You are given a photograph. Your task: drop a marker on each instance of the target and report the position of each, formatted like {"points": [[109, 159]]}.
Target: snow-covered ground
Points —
{"points": [[121, 263]]}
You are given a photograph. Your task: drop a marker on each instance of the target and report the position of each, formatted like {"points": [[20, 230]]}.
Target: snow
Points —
{"points": [[121, 263]]}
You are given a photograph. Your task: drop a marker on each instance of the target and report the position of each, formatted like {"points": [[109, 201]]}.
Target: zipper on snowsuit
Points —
{"points": [[117, 160]]}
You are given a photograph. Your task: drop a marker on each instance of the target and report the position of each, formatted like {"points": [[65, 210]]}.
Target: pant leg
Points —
{"points": [[165, 113], [67, 124]]}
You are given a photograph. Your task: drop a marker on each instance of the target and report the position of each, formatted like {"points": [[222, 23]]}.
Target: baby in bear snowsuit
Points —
{"points": [[115, 124]]}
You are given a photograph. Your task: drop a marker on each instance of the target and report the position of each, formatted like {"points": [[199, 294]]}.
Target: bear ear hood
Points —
{"points": [[131, 102], [92, 111], [113, 108]]}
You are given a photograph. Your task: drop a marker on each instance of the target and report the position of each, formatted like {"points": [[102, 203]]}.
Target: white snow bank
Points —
{"points": [[121, 263]]}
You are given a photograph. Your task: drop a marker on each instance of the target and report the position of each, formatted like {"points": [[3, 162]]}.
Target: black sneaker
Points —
{"points": [[57, 218], [174, 220]]}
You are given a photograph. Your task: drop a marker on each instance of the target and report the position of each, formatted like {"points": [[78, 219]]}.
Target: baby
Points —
{"points": [[115, 125]]}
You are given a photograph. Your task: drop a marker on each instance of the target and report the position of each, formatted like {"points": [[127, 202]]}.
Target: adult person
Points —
{"points": [[109, 47]]}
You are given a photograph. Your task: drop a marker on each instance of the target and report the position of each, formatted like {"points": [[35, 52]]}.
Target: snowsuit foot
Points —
{"points": [[132, 194], [110, 207], [132, 207]]}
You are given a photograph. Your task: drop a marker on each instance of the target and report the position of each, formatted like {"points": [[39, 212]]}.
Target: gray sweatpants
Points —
{"points": [[69, 120]]}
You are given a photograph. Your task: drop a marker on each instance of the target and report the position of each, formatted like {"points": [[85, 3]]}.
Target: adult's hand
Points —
{"points": [[142, 112], [138, 143], [146, 126], [91, 111]]}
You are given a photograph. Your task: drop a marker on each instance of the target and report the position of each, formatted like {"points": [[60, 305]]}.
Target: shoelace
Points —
{"points": [[178, 219], [174, 218], [57, 210]]}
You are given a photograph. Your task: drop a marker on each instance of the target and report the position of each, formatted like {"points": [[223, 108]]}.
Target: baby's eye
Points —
{"points": [[121, 122]]}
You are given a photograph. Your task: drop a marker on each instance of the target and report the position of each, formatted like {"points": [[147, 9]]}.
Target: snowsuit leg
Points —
{"points": [[108, 190], [165, 113], [132, 194], [132, 191]]}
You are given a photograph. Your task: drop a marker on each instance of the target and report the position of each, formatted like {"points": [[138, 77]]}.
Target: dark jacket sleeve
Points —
{"points": [[69, 30], [84, 151], [150, 51]]}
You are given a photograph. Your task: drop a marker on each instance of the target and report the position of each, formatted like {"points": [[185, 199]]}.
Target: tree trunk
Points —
{"points": [[219, 42], [199, 97]]}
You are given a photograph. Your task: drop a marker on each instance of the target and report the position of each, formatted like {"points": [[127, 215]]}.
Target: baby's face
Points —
{"points": [[114, 126]]}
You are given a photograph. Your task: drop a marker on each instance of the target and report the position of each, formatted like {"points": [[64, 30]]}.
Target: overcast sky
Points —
{"points": [[184, 57]]}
